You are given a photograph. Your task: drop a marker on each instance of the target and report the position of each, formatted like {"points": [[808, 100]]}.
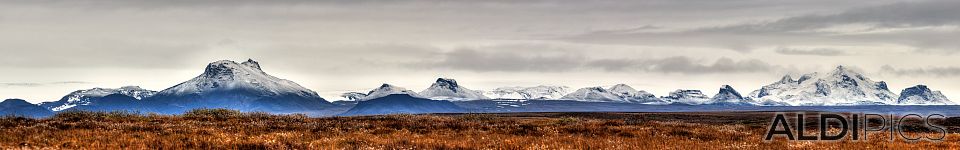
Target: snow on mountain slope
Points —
{"points": [[842, 86], [629, 94], [228, 75], [387, 89], [921, 95], [89, 96], [593, 94], [537, 92], [729, 96], [690, 97], [618, 93], [353, 96], [448, 89], [242, 86]]}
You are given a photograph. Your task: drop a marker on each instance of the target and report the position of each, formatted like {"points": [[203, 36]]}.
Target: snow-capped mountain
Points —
{"points": [[842, 86], [538, 92], [242, 86], [448, 89], [593, 94], [353, 96], [691, 97], [387, 89], [921, 95], [729, 96], [629, 94], [618, 93], [90, 96]]}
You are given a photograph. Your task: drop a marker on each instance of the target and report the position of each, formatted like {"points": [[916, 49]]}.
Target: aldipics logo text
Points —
{"points": [[857, 127]]}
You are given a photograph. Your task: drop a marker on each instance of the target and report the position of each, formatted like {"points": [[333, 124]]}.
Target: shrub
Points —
{"points": [[97, 116], [211, 114], [567, 120]]}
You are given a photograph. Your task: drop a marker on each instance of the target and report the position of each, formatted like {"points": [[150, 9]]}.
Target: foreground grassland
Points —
{"points": [[224, 129]]}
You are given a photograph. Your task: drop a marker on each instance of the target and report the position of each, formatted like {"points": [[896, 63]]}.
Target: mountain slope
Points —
{"points": [[921, 95], [241, 86], [19, 107], [387, 89], [629, 94], [842, 86], [91, 97], [112, 102], [593, 94], [689, 97], [402, 104], [620, 93], [729, 96], [448, 89], [537, 92], [353, 96]]}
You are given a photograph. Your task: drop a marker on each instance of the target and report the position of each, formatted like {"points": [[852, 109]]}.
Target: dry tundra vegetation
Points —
{"points": [[227, 129]]}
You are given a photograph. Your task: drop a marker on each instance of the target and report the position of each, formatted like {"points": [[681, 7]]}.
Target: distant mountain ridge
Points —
{"points": [[536, 92], [92, 96], [402, 104], [245, 86], [620, 93]]}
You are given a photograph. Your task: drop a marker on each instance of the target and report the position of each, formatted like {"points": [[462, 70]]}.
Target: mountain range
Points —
{"points": [[245, 86]]}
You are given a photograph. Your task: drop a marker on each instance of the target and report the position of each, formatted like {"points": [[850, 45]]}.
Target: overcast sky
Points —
{"points": [[50, 47]]}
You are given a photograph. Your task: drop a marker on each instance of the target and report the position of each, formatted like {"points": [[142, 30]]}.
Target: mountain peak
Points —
{"points": [[252, 64], [386, 86], [448, 89], [622, 88], [728, 95], [842, 70], [447, 83], [786, 79], [221, 68], [386, 89], [922, 95]]}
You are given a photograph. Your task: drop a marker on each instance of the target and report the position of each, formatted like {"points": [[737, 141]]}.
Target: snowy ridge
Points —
{"points": [[538, 92], [843, 86], [85, 97], [729, 96], [593, 94], [689, 97], [922, 95], [385, 90], [621, 93], [448, 89], [353, 96], [226, 75]]}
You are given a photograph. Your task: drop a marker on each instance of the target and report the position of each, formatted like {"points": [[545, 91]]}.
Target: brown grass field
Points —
{"points": [[225, 129]]}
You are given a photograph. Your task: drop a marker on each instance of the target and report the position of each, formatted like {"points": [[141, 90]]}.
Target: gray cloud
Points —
{"points": [[36, 84], [507, 61], [681, 64], [815, 51], [475, 60], [897, 15], [930, 71], [904, 23]]}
